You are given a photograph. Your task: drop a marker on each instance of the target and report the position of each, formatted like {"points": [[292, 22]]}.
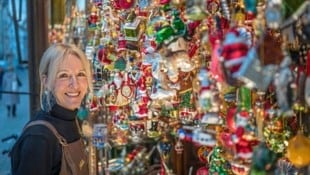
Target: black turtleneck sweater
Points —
{"points": [[37, 151]]}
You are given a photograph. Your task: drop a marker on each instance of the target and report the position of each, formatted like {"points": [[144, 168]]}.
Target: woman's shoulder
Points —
{"points": [[37, 127]]}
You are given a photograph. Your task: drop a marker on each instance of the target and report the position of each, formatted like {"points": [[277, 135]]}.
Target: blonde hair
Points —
{"points": [[50, 61]]}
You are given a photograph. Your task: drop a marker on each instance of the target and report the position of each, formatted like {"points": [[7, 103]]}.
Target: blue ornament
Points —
{"points": [[250, 6], [82, 113]]}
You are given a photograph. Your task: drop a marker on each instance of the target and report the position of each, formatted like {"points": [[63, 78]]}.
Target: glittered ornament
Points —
{"points": [[277, 134], [217, 164], [203, 153]]}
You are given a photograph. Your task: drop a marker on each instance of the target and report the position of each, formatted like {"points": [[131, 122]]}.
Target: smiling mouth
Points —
{"points": [[73, 94]]}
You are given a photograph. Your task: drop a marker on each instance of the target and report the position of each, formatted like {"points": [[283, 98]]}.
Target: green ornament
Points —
{"points": [[120, 64], [166, 7], [265, 160], [186, 100], [217, 164], [244, 98], [177, 24], [164, 34]]}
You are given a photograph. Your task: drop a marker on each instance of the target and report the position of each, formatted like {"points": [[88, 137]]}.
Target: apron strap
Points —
{"points": [[61, 139]]}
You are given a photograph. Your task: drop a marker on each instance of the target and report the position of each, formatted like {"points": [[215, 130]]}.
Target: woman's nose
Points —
{"points": [[73, 82]]}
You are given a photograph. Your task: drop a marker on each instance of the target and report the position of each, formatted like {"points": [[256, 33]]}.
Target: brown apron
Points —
{"points": [[74, 157]]}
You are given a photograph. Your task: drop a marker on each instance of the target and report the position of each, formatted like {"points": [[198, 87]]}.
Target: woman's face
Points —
{"points": [[71, 83]]}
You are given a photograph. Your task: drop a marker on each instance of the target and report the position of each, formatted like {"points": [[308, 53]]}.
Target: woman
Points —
{"points": [[10, 85], [65, 81]]}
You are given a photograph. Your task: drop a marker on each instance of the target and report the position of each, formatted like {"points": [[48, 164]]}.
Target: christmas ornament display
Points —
{"points": [[228, 78]]}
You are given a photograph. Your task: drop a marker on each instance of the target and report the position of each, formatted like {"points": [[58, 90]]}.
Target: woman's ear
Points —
{"points": [[44, 80]]}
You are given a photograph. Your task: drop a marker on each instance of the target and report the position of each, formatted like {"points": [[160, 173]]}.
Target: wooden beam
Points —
{"points": [[37, 12]]}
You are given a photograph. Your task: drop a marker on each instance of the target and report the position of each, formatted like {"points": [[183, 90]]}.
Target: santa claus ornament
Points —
{"points": [[233, 53], [243, 139]]}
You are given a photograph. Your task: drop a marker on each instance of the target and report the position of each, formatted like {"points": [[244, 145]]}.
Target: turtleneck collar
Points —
{"points": [[63, 113]]}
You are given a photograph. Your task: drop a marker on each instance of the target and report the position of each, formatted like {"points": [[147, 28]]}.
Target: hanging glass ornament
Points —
{"points": [[93, 18], [244, 98], [165, 34], [153, 128], [177, 23], [99, 135], [298, 150], [179, 147], [120, 64], [213, 6], [273, 14], [133, 28], [264, 160], [137, 130], [203, 152], [195, 9], [206, 138], [250, 6], [225, 9], [276, 133], [165, 146], [82, 113], [143, 3], [217, 164], [233, 53]]}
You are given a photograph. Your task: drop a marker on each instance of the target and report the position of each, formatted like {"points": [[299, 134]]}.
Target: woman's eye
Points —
{"points": [[63, 75], [81, 74]]}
